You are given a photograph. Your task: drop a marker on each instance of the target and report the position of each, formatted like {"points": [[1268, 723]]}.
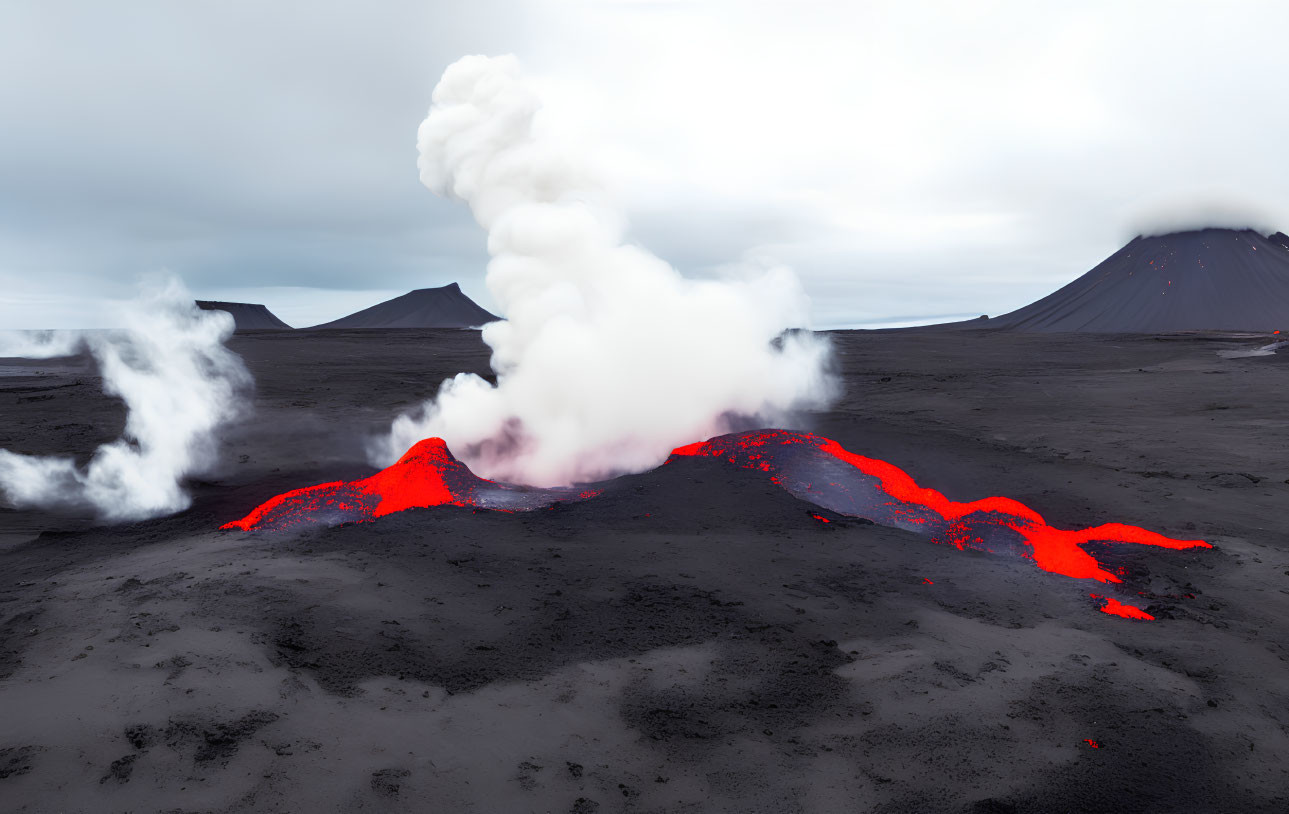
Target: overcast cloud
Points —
{"points": [[911, 160]]}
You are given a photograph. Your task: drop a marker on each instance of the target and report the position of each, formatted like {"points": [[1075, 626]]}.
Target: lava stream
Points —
{"points": [[814, 469], [820, 471]]}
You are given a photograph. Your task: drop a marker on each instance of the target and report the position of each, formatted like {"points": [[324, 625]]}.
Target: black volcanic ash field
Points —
{"points": [[694, 640]]}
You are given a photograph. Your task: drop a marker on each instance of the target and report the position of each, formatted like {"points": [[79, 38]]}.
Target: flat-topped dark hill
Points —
{"points": [[247, 316], [443, 307], [1203, 280]]}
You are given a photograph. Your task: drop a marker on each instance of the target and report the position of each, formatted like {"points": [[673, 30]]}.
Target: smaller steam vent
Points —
{"points": [[247, 316], [443, 307], [1201, 280]]}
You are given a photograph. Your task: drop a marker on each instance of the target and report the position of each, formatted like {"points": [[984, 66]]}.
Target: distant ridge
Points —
{"points": [[443, 307], [247, 316], [1200, 280]]}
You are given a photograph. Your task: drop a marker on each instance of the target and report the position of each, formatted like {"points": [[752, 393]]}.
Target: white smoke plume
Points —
{"points": [[39, 344], [608, 357], [179, 384]]}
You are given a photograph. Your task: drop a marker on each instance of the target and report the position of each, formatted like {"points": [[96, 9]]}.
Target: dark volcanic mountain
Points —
{"points": [[443, 307], [1205, 280], [247, 316]]}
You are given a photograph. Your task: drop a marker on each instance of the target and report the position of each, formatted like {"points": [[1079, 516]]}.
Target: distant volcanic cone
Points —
{"points": [[1205, 280], [247, 316], [443, 307]]}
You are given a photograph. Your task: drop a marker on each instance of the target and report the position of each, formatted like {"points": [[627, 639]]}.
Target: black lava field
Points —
{"points": [[1007, 572]]}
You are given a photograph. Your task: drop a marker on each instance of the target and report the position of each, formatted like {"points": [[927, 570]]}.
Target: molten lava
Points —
{"points": [[821, 471], [814, 469], [1116, 608], [427, 475]]}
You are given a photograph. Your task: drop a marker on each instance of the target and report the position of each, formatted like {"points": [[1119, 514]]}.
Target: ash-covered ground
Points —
{"points": [[693, 640]]}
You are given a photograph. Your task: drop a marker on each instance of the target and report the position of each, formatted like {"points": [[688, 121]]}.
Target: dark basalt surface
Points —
{"points": [[694, 639]]}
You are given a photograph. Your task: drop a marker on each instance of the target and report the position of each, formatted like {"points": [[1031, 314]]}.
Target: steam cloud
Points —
{"points": [[39, 344], [1186, 210], [608, 357], [179, 384]]}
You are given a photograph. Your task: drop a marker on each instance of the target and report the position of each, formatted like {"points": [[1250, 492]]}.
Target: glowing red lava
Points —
{"points": [[1092, 743], [427, 475], [1113, 606], [809, 467], [417, 480]]}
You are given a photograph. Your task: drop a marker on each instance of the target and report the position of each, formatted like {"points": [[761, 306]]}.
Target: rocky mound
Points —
{"points": [[1203, 280], [443, 307], [247, 316]]}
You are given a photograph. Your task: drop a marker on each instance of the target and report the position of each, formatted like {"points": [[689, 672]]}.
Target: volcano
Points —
{"points": [[247, 316], [810, 468], [443, 307], [1204, 280]]}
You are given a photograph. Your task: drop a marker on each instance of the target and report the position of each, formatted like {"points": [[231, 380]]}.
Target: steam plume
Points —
{"points": [[179, 384], [39, 344], [608, 357]]}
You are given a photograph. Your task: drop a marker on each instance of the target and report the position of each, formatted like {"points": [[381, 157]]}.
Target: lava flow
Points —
{"points": [[820, 471], [427, 475], [814, 469], [1114, 607]]}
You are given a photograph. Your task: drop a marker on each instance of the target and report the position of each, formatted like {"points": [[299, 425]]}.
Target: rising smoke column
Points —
{"points": [[180, 386], [608, 357]]}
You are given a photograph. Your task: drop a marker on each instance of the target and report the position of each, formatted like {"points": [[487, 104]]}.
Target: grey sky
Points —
{"points": [[910, 160]]}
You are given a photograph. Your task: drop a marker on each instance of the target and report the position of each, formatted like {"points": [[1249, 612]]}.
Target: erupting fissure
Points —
{"points": [[821, 471], [814, 469], [427, 475]]}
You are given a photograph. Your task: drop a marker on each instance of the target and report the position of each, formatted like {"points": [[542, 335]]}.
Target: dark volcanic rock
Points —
{"points": [[388, 782], [16, 761], [1205, 280], [247, 316], [443, 307], [120, 770], [217, 740], [694, 639]]}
